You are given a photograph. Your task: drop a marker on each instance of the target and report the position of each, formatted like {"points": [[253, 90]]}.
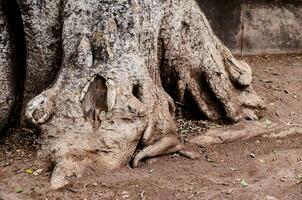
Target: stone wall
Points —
{"points": [[7, 94], [257, 26]]}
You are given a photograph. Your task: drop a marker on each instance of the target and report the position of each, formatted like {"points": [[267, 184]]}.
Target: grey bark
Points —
{"points": [[7, 81], [120, 58], [43, 30]]}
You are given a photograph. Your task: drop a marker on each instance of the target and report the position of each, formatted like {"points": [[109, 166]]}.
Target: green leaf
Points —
{"points": [[243, 183], [19, 190]]}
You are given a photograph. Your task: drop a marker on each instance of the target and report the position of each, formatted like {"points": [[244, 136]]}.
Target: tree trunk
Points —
{"points": [[7, 81], [123, 63], [43, 33]]}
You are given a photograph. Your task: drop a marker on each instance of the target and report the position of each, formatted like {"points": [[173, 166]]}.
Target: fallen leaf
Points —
{"points": [[37, 172], [125, 195], [243, 183], [19, 190], [208, 159], [252, 155], [268, 123], [228, 192], [29, 171], [142, 195], [299, 179]]}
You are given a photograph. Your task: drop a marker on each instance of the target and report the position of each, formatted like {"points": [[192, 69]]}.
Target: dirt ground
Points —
{"points": [[259, 168]]}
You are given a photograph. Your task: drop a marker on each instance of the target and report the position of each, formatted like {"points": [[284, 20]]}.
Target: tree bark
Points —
{"points": [[43, 34], [7, 81], [123, 63]]}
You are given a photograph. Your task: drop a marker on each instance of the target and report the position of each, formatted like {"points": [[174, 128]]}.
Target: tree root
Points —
{"points": [[110, 98], [219, 85]]}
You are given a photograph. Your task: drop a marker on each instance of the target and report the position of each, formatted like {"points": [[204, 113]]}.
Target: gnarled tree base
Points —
{"points": [[110, 104]]}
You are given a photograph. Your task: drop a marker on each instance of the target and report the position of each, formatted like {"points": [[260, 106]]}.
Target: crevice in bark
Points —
{"points": [[136, 91], [211, 99], [95, 100], [182, 93], [190, 109], [168, 79], [16, 31]]}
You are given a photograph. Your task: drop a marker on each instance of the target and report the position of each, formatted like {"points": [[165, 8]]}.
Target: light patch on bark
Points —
{"points": [[111, 94]]}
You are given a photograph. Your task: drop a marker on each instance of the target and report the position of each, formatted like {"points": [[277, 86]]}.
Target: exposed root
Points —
{"points": [[164, 146], [205, 68]]}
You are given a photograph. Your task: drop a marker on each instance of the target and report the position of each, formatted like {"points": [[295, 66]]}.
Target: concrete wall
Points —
{"points": [[257, 26]]}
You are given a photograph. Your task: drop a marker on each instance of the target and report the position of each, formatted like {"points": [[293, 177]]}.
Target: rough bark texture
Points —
{"points": [[110, 102], [7, 81], [43, 29]]}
